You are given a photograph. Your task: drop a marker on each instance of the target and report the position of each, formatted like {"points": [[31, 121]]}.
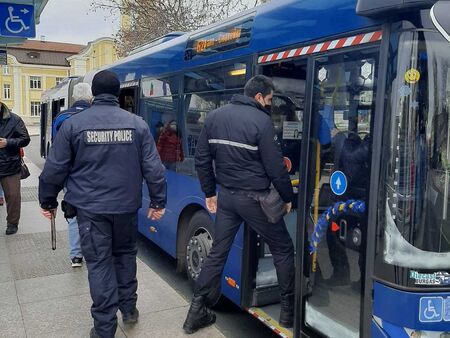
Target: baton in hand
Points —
{"points": [[53, 230]]}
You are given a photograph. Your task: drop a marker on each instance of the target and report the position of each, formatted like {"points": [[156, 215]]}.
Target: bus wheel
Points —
{"points": [[198, 244]]}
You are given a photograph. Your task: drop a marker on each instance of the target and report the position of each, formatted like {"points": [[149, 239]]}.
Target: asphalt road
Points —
{"points": [[231, 321]]}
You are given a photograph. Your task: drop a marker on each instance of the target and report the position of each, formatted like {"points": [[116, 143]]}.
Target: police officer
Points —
{"points": [[239, 139], [102, 155]]}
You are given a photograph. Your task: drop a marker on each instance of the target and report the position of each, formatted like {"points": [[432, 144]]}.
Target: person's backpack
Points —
{"points": [[61, 117]]}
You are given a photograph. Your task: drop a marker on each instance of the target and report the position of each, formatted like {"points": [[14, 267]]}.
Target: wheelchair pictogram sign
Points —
{"points": [[431, 309], [17, 20]]}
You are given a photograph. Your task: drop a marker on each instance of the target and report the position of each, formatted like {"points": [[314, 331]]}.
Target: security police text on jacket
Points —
{"points": [[103, 153]]}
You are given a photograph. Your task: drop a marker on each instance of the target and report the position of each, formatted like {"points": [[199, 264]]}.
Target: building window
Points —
{"points": [[59, 80], [35, 82], [7, 91], [35, 109], [5, 70]]}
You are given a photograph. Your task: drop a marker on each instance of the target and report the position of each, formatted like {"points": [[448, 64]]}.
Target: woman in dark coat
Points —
{"points": [[13, 136]]}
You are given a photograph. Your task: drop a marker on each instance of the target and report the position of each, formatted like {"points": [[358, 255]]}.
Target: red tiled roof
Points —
{"points": [[50, 46]]}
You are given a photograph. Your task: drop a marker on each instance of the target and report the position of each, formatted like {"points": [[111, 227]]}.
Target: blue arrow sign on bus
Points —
{"points": [[338, 183], [17, 20]]}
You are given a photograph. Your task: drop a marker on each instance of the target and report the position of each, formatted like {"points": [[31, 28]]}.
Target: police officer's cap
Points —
{"points": [[105, 82]]}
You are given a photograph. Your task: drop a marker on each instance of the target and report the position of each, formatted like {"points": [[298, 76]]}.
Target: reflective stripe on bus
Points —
{"points": [[270, 322], [355, 40]]}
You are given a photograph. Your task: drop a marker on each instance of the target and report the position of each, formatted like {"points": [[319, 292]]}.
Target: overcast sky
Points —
{"points": [[73, 21]]}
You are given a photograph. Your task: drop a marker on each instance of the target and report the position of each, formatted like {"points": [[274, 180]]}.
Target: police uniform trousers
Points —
{"points": [[108, 243], [235, 207]]}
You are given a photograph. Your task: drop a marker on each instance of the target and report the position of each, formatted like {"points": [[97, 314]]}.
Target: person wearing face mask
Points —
{"points": [[238, 150], [169, 146]]}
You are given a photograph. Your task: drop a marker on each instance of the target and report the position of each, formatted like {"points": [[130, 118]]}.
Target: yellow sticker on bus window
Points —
{"points": [[412, 76]]}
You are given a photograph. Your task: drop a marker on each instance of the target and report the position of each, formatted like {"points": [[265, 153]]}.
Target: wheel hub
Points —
{"points": [[197, 250]]}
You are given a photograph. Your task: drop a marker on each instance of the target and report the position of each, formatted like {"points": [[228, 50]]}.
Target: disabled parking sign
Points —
{"points": [[431, 309], [338, 183], [17, 20]]}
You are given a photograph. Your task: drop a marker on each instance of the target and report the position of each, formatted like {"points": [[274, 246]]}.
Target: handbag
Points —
{"points": [[24, 171], [272, 205]]}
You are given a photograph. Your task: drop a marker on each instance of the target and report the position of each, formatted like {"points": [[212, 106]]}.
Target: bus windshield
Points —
{"points": [[415, 180]]}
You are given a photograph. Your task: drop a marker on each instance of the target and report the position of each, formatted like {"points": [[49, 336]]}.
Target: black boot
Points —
{"points": [[287, 311], [198, 316], [131, 317], [11, 229]]}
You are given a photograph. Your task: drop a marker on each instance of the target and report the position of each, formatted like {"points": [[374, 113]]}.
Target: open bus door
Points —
{"points": [[331, 101], [129, 96], [43, 128], [336, 180]]}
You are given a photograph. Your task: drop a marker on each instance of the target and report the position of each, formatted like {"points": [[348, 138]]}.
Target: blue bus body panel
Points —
{"points": [[184, 191], [400, 309], [279, 24]]}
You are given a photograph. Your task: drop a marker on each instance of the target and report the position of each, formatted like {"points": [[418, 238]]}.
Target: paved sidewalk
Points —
{"points": [[41, 296]]}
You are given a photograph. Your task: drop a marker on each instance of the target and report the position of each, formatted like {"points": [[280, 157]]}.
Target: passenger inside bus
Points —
{"points": [[169, 145]]}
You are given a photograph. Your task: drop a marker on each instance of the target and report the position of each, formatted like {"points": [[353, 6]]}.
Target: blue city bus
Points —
{"points": [[362, 114]]}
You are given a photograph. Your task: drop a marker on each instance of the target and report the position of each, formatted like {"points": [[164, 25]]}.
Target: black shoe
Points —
{"points": [[198, 316], [77, 262], [93, 333], [287, 311], [11, 229], [131, 317]]}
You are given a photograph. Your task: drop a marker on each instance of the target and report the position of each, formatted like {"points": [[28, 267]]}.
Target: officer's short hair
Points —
{"points": [[259, 84], [82, 92]]}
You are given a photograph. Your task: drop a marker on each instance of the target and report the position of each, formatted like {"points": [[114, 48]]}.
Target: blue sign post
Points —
{"points": [[338, 183], [17, 21]]}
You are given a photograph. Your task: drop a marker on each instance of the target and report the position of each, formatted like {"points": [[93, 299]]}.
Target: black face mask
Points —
{"points": [[268, 107]]}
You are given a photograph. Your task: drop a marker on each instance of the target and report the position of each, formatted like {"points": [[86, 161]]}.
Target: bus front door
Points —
{"points": [[334, 218]]}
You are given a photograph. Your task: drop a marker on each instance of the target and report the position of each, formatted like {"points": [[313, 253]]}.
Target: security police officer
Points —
{"points": [[240, 139], [102, 155]]}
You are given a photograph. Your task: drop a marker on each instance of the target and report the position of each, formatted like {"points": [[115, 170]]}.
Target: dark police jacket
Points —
{"points": [[240, 138], [103, 153], [14, 131]]}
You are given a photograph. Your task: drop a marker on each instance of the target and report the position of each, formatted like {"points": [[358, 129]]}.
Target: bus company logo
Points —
{"points": [[436, 278]]}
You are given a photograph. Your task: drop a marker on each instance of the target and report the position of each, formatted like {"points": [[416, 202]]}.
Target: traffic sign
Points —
{"points": [[431, 309], [17, 20], [338, 183]]}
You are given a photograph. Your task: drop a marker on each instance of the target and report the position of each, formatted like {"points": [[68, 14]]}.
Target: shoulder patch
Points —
{"points": [[110, 136]]}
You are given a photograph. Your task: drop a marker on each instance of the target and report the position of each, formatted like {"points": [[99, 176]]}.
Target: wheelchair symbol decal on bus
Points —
{"points": [[431, 309], [15, 19]]}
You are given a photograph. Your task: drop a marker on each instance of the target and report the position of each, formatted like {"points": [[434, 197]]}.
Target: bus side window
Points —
{"points": [[206, 89], [160, 114], [197, 106]]}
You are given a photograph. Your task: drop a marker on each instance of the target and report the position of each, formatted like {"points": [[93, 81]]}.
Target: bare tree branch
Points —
{"points": [[150, 19]]}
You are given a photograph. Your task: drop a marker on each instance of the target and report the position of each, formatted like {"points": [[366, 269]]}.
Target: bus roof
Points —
{"points": [[275, 25]]}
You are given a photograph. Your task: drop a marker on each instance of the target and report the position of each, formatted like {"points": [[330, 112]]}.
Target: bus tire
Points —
{"points": [[198, 243]]}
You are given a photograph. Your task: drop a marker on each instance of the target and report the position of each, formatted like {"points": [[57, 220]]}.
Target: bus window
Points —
{"points": [[197, 107], [343, 106], [160, 114], [206, 89], [415, 200]]}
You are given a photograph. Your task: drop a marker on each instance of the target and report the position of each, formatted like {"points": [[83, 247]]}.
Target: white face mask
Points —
{"points": [[173, 126]]}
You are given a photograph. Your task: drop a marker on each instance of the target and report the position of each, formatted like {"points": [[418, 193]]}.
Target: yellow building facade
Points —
{"points": [[37, 66], [97, 54]]}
